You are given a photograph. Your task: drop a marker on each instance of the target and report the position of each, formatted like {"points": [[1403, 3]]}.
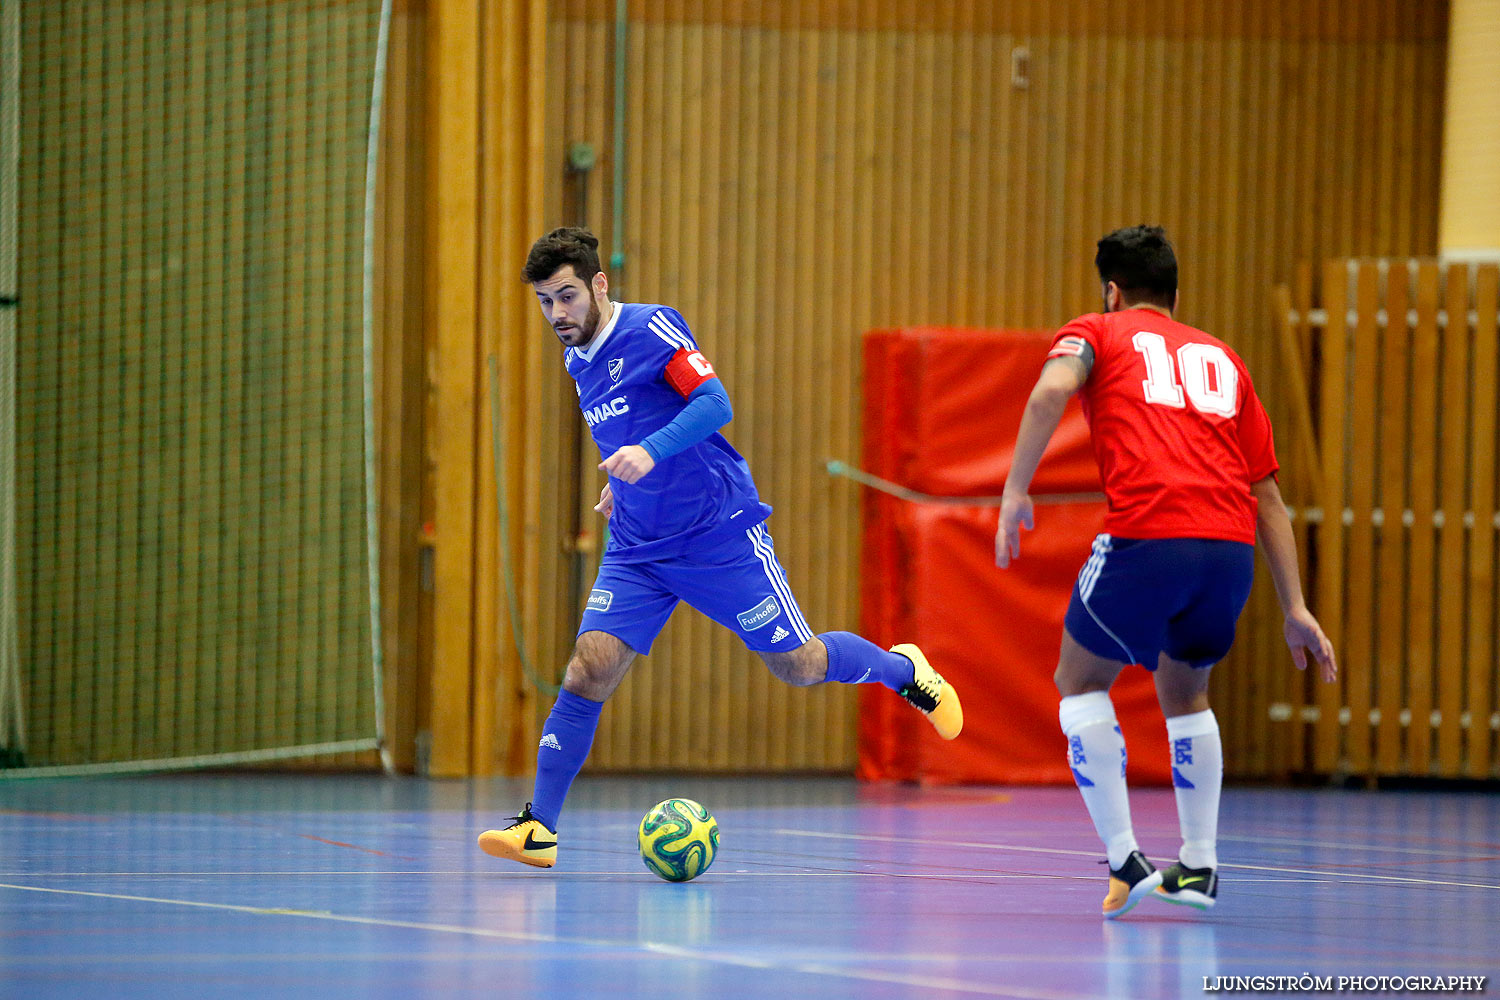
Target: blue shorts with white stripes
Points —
{"points": [[733, 578], [1136, 598]]}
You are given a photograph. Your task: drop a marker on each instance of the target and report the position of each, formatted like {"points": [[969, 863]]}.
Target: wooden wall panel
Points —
{"points": [[1359, 643], [1395, 433], [1421, 607], [1332, 557], [1405, 537], [450, 320], [798, 173], [1479, 651], [401, 374], [489, 539], [1453, 490]]}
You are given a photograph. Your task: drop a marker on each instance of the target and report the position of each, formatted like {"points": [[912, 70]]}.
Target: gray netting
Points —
{"points": [[189, 484]]}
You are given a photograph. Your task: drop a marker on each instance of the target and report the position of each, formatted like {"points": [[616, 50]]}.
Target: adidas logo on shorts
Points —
{"points": [[779, 634], [550, 741]]}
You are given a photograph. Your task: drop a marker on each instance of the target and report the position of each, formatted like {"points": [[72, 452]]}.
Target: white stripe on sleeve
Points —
{"points": [[682, 333], [664, 330]]}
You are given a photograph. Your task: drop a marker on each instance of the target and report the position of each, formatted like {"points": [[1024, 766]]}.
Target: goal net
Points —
{"points": [[185, 570]]}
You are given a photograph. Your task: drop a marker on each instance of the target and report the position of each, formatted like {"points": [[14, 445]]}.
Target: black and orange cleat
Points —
{"points": [[931, 695], [1129, 884], [527, 840]]}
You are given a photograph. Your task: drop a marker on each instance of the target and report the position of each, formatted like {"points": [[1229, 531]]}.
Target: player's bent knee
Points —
{"points": [[799, 667], [586, 684], [1181, 689], [598, 664], [1071, 680]]}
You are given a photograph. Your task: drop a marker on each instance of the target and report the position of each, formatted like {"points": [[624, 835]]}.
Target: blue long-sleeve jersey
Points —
{"points": [[633, 379]]}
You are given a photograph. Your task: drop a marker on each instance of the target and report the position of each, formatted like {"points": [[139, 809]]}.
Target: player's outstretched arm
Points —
{"points": [[1060, 378], [1274, 531]]}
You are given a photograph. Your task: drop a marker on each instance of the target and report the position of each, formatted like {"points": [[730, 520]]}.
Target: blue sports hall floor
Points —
{"points": [[365, 887]]}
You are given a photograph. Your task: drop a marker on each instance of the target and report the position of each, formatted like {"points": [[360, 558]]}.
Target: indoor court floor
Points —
{"points": [[232, 885]]}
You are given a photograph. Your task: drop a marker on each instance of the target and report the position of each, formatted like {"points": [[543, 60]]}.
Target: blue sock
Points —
{"points": [[567, 737], [852, 660]]}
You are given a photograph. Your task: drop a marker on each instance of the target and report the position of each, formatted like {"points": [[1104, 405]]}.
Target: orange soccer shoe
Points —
{"points": [[931, 695], [1129, 884], [526, 840]]}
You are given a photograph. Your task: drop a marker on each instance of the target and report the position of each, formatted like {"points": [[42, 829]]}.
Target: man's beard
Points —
{"points": [[591, 322], [582, 332], [589, 326]]}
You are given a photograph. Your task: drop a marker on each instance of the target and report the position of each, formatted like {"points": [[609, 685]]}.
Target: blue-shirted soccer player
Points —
{"points": [[686, 524]]}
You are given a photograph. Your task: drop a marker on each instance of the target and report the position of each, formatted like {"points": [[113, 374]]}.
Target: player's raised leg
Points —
{"points": [[741, 584], [598, 664], [1096, 755], [1197, 780], [846, 658]]}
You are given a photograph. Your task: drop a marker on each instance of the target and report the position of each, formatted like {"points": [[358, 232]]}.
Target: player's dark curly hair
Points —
{"points": [[568, 245], [1139, 260]]}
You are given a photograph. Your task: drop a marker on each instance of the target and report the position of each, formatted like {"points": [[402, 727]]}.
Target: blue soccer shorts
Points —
{"points": [[1136, 598], [733, 578]]}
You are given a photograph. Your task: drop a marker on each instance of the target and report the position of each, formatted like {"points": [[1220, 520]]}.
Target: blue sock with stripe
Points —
{"points": [[567, 738], [854, 660]]}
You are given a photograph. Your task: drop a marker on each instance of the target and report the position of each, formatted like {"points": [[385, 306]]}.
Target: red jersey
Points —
{"points": [[1177, 429]]}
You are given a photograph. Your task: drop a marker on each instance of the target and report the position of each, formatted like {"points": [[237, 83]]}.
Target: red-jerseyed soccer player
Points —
{"points": [[1185, 451]]}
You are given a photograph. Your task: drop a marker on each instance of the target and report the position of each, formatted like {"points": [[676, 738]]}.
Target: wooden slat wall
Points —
{"points": [[1405, 541], [1396, 352], [1479, 653], [798, 173], [1453, 488], [452, 198], [514, 96], [1332, 577], [1422, 448], [1269, 720], [478, 113], [402, 374]]}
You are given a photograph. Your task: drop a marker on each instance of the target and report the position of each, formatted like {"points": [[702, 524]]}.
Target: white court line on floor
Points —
{"points": [[551, 874], [1028, 849], [1335, 846], [654, 948]]}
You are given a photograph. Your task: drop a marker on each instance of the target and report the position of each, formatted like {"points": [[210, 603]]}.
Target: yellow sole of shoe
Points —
{"points": [[1125, 898], [948, 717], [496, 845]]}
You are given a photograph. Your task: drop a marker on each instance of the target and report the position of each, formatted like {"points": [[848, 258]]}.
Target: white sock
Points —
{"points": [[1197, 776], [1096, 753]]}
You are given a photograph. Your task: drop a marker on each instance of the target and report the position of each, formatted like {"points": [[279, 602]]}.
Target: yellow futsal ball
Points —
{"points": [[678, 839]]}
